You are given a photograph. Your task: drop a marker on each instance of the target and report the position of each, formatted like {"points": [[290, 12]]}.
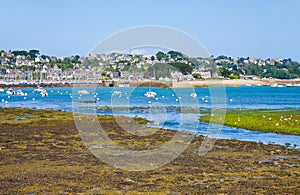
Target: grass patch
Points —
{"points": [[276, 121]]}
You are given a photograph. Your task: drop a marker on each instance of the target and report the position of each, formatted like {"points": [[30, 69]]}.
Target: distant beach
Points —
{"points": [[235, 82]]}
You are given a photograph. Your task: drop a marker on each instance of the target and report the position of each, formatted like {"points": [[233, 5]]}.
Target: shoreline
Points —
{"points": [[181, 84], [206, 117], [235, 82]]}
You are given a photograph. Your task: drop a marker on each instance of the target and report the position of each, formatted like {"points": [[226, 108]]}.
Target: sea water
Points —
{"points": [[166, 109]]}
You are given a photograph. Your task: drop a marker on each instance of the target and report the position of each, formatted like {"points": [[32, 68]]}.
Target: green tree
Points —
{"points": [[20, 53], [224, 72], [175, 54], [160, 55], [183, 68], [34, 53]]}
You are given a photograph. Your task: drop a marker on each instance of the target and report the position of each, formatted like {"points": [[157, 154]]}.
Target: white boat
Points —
{"points": [[117, 92], [84, 92], [193, 95], [39, 89], [44, 93], [278, 85], [10, 91], [21, 93], [150, 94]]}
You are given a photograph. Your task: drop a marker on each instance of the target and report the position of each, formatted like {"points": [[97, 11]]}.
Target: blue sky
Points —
{"points": [[256, 28]]}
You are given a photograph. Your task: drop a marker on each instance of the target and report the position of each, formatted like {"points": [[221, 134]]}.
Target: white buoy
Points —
{"points": [[98, 99], [6, 102], [149, 102], [8, 97], [230, 100], [176, 100], [24, 98], [2, 100], [33, 99], [206, 101], [156, 99], [162, 97], [173, 94]]}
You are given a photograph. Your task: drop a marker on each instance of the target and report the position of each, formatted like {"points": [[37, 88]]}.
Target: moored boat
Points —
{"points": [[21, 93], [150, 94], [117, 92], [84, 92], [39, 89], [193, 95], [44, 93], [10, 91]]}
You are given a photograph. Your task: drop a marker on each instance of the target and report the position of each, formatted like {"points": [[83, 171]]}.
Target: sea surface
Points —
{"points": [[171, 108]]}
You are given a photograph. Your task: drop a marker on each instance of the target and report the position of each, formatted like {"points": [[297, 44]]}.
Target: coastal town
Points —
{"points": [[31, 68]]}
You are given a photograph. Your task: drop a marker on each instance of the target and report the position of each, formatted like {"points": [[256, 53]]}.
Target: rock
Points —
{"points": [[264, 161], [95, 189]]}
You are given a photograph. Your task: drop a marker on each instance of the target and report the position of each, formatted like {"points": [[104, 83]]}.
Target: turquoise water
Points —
{"points": [[166, 113]]}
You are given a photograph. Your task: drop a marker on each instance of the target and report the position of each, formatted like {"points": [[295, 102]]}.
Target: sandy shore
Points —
{"points": [[233, 82]]}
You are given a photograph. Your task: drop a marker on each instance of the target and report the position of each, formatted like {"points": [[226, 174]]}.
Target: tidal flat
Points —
{"points": [[41, 152]]}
